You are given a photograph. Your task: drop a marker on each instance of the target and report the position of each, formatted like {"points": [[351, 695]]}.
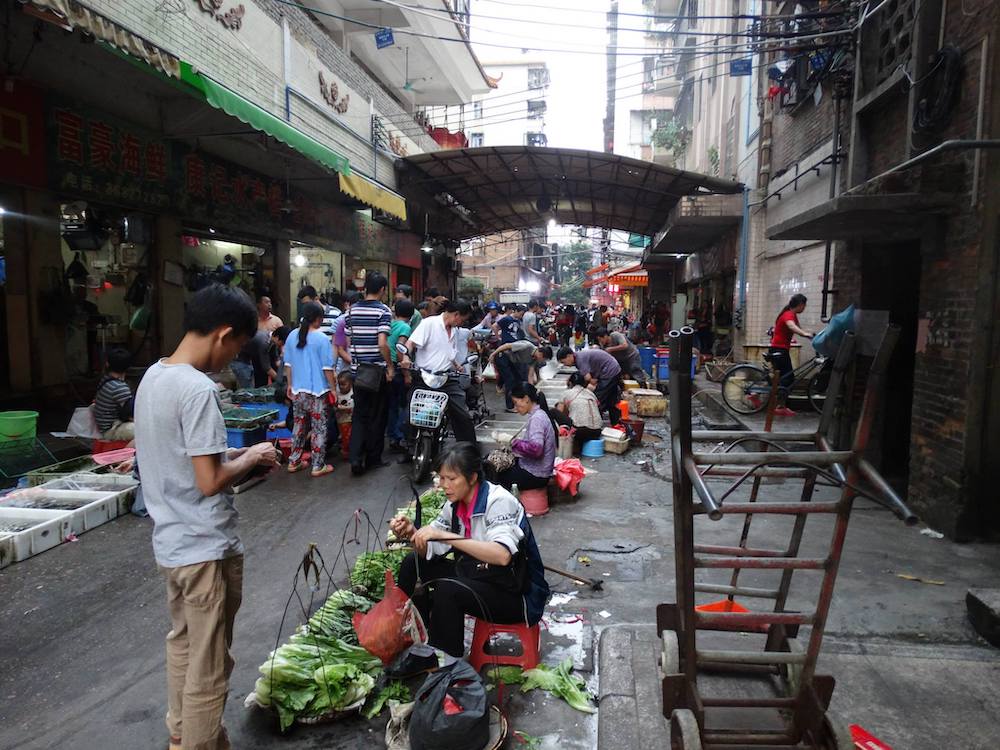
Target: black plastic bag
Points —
{"points": [[451, 711]]}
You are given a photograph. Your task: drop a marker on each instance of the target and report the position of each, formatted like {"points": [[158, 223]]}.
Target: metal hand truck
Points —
{"points": [[793, 713]]}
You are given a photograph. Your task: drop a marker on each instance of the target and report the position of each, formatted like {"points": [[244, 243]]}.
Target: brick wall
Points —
{"points": [[800, 131], [939, 488]]}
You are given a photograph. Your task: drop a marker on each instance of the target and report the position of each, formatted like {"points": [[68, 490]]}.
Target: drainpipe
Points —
{"points": [[744, 257], [827, 291]]}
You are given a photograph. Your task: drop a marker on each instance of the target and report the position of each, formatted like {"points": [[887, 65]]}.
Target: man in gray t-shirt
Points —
{"points": [[625, 352], [187, 474], [529, 323], [513, 359]]}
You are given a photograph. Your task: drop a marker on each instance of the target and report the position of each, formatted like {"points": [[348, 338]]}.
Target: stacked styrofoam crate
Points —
{"points": [[86, 501]]}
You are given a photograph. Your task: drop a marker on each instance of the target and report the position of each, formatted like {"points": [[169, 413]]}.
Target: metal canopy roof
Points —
{"points": [[497, 188]]}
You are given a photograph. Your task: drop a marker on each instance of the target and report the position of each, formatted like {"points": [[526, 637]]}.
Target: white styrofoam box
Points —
{"points": [[87, 510], [6, 549], [50, 529], [123, 485]]}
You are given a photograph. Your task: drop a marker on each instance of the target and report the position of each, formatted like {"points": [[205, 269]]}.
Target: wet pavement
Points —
{"points": [[83, 624]]}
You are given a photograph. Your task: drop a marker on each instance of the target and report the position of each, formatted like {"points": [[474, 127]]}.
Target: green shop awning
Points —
{"points": [[233, 104]]}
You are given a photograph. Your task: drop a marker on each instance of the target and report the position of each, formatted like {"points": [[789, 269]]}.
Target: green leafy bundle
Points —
{"points": [[369, 569], [333, 619], [560, 682], [394, 691]]}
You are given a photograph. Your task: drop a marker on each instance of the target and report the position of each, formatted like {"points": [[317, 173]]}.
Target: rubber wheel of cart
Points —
{"points": [[422, 457], [684, 731], [670, 658], [817, 387], [746, 389], [837, 734], [793, 672]]}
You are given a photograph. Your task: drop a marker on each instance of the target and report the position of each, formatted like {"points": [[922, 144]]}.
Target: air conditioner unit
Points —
{"points": [[385, 218]]}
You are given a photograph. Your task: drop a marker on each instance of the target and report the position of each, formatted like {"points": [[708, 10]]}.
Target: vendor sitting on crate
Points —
{"points": [[601, 372], [535, 451], [580, 411], [497, 573], [114, 402]]}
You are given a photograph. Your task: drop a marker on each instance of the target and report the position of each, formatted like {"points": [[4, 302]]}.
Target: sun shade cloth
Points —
{"points": [[373, 195]]}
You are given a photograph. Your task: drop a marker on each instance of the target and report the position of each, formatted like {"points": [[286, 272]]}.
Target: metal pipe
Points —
{"points": [[714, 549], [777, 437], [828, 252], [707, 500], [752, 619], [822, 458], [837, 469], [952, 145], [731, 591], [748, 702], [750, 657], [763, 563], [763, 472], [889, 497]]}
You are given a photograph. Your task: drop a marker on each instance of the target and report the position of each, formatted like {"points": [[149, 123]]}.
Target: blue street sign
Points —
{"points": [[383, 38], [741, 67]]}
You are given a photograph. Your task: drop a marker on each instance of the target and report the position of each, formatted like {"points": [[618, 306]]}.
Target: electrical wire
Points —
{"points": [[601, 12]]}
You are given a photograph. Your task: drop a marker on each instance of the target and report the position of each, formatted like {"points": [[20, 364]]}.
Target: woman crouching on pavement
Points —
{"points": [[535, 452], [580, 410], [497, 573]]}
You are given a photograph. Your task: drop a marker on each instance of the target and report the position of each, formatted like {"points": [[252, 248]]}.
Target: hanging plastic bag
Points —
{"points": [[391, 625], [569, 473], [827, 341], [450, 711], [83, 424]]}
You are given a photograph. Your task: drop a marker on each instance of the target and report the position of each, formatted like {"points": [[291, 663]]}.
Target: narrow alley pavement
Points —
{"points": [[84, 623]]}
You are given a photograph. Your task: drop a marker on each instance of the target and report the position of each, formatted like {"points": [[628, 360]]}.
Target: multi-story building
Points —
{"points": [[151, 147], [512, 114], [880, 183]]}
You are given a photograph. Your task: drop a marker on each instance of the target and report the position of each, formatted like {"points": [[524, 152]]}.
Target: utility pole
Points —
{"points": [[609, 114]]}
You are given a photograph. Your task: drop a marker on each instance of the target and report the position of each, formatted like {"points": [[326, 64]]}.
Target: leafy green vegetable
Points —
{"points": [[560, 683], [369, 569], [333, 619], [395, 691], [340, 686], [527, 741], [508, 675]]}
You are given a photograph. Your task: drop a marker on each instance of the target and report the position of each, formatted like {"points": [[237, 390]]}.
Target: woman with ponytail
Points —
{"points": [[309, 371], [535, 452], [781, 344]]}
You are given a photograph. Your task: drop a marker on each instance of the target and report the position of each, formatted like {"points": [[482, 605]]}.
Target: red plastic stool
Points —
{"points": [[103, 446], [535, 502], [528, 636]]}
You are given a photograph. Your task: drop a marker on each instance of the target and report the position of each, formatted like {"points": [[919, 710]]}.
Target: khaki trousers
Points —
{"points": [[203, 600]]}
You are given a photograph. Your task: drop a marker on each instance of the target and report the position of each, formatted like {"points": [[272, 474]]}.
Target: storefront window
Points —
{"points": [[316, 267]]}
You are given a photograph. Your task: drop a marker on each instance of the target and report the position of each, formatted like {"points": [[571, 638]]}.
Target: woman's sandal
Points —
{"points": [[322, 472], [292, 468]]}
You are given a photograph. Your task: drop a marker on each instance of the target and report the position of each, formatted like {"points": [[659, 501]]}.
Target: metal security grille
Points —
{"points": [[895, 37]]}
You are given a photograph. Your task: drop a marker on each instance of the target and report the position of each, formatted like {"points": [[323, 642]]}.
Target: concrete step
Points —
{"points": [[983, 606]]}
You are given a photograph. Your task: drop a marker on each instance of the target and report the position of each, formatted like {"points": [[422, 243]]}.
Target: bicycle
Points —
{"points": [[746, 388]]}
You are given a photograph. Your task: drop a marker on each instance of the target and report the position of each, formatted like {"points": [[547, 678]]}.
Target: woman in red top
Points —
{"points": [[781, 342]]}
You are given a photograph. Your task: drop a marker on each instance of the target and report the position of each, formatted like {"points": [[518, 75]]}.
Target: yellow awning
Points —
{"points": [[372, 195]]}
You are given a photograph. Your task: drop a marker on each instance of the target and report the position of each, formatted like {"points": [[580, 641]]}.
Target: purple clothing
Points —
{"points": [[537, 450], [598, 364], [339, 337]]}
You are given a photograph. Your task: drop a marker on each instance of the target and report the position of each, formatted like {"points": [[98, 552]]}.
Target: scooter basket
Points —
{"points": [[427, 408]]}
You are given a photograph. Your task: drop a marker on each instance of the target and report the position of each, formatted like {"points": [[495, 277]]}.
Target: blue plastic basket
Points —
{"points": [[238, 438]]}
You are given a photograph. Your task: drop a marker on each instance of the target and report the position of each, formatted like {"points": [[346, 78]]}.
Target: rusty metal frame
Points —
{"points": [[807, 456]]}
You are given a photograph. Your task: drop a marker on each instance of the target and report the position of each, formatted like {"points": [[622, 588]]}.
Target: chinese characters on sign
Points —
{"points": [[231, 19], [384, 38], [331, 95]]}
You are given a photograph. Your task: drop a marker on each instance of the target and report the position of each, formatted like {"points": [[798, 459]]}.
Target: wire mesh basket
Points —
{"points": [[245, 419], [427, 408]]}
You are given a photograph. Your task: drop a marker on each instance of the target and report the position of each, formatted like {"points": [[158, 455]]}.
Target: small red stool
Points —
{"points": [[535, 502], [528, 636], [103, 446]]}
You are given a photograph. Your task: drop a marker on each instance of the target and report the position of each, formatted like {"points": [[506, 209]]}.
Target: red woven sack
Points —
{"points": [[391, 625]]}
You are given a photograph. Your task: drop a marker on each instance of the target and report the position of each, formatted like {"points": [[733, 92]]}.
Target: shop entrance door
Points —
{"points": [[890, 281]]}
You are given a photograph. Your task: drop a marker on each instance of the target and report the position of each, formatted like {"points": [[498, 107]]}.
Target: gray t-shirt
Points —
{"points": [[178, 416], [530, 320], [628, 358], [522, 352]]}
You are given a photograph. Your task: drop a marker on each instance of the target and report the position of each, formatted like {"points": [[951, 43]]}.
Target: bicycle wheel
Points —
{"points": [[818, 385], [746, 388]]}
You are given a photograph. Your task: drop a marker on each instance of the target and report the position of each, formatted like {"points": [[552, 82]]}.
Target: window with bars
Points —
{"points": [[895, 37], [476, 140], [536, 108], [538, 78], [536, 139]]}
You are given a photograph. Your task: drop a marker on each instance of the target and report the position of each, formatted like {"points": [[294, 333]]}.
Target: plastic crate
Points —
{"points": [[427, 408], [241, 438], [87, 510], [63, 469], [6, 550], [49, 528], [245, 419], [123, 486]]}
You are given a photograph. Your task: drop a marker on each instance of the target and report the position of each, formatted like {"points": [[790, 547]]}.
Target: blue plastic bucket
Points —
{"points": [[647, 355], [593, 448], [663, 366]]}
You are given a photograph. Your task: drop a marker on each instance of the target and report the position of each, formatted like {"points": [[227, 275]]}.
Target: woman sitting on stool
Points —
{"points": [[535, 453], [497, 574], [580, 410]]}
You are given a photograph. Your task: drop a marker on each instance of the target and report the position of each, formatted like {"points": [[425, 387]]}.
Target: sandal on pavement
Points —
{"points": [[322, 472], [292, 468]]}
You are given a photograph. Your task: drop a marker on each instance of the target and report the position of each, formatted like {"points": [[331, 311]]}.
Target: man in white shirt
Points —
{"points": [[432, 347]]}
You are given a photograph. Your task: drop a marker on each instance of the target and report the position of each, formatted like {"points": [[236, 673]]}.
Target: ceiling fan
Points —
{"points": [[407, 81]]}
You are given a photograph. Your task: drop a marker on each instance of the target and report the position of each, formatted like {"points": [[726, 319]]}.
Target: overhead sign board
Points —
{"points": [[741, 66], [384, 38]]}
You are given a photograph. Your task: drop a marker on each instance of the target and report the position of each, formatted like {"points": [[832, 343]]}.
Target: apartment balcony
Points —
{"points": [[664, 7], [421, 70], [697, 221]]}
